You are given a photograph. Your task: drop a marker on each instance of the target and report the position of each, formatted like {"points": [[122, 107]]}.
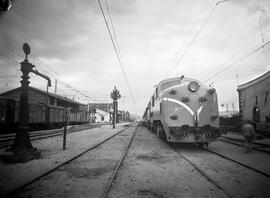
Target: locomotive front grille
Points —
{"points": [[182, 132], [199, 133]]}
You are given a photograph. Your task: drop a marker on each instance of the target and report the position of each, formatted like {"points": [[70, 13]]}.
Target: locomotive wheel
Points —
{"points": [[202, 144], [161, 133]]}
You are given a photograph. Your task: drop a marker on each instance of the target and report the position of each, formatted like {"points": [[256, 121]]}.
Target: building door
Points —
{"points": [[256, 114]]}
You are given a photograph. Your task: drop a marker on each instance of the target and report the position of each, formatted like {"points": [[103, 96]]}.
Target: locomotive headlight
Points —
{"points": [[184, 99], [211, 91], [172, 92], [173, 117], [193, 86]]}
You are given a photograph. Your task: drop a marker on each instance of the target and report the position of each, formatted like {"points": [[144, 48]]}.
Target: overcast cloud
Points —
{"points": [[71, 38]]}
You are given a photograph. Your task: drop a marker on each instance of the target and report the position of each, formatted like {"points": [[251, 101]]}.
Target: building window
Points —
{"points": [[102, 118], [256, 114]]}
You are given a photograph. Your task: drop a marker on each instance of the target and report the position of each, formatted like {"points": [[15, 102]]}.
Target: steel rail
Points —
{"points": [[40, 135], [238, 140], [246, 166], [234, 142], [17, 190], [108, 187], [203, 173]]}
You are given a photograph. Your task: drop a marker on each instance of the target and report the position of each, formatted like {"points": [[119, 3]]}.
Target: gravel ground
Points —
{"points": [[15, 175], [153, 169], [237, 180], [87, 176]]}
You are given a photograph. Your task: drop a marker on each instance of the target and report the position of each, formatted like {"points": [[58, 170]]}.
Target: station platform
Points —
{"points": [[264, 141], [14, 176]]}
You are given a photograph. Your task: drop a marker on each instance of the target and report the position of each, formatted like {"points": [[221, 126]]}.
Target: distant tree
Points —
{"points": [[115, 95]]}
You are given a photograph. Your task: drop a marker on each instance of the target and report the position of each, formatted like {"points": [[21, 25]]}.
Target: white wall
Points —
{"points": [[100, 113]]}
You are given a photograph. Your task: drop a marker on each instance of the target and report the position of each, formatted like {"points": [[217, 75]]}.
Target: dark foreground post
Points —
{"points": [[65, 130], [114, 117]]}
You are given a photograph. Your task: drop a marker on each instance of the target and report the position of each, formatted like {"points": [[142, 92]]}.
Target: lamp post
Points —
{"points": [[22, 149]]}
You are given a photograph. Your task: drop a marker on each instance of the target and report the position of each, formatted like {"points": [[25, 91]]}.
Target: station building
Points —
{"points": [[254, 101], [103, 112], [39, 96], [102, 115], [100, 112]]}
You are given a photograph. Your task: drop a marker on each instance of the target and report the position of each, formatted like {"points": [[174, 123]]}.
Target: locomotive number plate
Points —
{"points": [[177, 109]]}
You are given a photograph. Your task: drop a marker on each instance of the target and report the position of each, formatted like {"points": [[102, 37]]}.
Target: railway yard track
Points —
{"points": [[256, 145], [7, 139], [133, 162], [216, 159], [125, 132]]}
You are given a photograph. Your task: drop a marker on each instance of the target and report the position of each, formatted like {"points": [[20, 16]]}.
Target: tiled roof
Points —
{"points": [[254, 81], [45, 93]]}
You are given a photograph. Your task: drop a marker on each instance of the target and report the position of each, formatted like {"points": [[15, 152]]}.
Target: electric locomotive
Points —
{"points": [[183, 110]]}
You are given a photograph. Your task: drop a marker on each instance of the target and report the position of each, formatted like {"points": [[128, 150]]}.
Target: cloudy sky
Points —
{"points": [[157, 39]]}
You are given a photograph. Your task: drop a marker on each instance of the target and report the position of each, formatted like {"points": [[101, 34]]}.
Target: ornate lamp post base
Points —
{"points": [[22, 149], [21, 156]]}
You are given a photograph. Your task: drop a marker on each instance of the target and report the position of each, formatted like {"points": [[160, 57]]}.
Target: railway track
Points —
{"points": [[210, 177], [7, 139], [237, 162], [17, 191], [203, 173], [257, 146], [108, 187]]}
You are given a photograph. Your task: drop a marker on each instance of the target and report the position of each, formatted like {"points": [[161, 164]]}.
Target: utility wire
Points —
{"points": [[260, 24], [189, 33], [115, 48], [119, 51], [242, 49], [53, 74], [196, 35], [237, 61]]}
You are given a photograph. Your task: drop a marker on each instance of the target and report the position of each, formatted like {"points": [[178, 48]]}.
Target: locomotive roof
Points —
{"points": [[182, 78]]}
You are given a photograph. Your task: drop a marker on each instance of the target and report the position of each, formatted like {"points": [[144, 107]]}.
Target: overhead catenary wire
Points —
{"points": [[189, 33], [116, 48], [252, 39], [54, 75], [195, 36], [119, 52], [260, 24], [237, 61]]}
